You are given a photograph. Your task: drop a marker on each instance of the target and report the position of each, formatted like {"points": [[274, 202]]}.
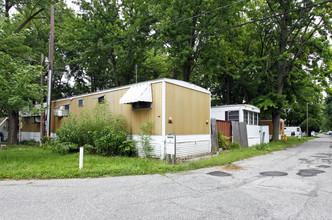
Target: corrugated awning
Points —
{"points": [[137, 93]]}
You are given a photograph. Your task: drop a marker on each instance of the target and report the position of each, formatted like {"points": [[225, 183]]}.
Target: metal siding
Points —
{"points": [[189, 109]]}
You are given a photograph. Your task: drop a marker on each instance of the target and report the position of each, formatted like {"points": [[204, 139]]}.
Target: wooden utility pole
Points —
{"points": [[50, 73], [41, 103], [307, 120]]}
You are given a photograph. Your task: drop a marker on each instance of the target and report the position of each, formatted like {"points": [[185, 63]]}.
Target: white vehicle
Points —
{"points": [[296, 131]]}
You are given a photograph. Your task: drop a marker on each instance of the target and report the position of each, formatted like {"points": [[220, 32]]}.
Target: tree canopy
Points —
{"points": [[273, 54]]}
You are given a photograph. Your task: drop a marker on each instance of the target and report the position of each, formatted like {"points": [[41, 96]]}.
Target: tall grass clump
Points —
{"points": [[98, 130]]}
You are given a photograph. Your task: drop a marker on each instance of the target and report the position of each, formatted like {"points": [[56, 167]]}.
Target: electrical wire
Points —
{"points": [[169, 25], [222, 29]]}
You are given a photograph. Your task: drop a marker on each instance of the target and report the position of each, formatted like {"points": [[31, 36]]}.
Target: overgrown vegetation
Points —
{"points": [[145, 138], [97, 130], [25, 162], [225, 144]]}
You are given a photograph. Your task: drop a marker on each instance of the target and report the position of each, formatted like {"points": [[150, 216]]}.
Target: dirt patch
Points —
{"points": [[232, 167]]}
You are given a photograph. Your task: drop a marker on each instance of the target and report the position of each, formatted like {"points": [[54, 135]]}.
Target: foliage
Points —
{"points": [[30, 143], [112, 142], [313, 125], [145, 138], [97, 130], [223, 141], [234, 145], [79, 129]]}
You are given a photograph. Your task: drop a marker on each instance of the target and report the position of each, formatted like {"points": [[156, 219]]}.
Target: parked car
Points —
{"points": [[329, 132]]}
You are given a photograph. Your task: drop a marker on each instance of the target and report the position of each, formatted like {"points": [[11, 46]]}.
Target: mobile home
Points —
{"points": [[171, 105], [248, 114], [296, 131]]}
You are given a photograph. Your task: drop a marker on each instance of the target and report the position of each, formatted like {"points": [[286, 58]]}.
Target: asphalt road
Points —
{"points": [[302, 189]]}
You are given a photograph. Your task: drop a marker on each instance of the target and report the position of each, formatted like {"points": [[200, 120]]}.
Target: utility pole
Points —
{"points": [[41, 103], [307, 120], [50, 73]]}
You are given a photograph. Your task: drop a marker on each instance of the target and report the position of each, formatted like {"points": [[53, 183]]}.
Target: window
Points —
{"points": [[101, 99], [141, 105], [80, 102], [298, 129], [256, 119], [233, 116], [226, 115], [26, 120], [245, 117], [67, 106], [251, 118]]}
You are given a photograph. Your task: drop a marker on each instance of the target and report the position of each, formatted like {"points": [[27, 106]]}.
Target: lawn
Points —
{"points": [[27, 162]]}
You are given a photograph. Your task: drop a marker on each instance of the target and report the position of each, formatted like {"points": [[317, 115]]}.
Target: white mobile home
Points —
{"points": [[248, 114], [295, 130]]}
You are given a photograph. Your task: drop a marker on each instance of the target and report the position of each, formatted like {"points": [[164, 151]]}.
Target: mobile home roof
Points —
{"points": [[172, 81]]}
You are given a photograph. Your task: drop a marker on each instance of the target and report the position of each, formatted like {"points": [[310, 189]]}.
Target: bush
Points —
{"points": [[222, 142], [97, 130], [61, 147], [111, 142], [234, 145], [31, 142], [79, 129], [145, 138]]}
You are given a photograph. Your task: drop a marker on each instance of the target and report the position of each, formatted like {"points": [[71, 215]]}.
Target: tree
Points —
{"points": [[313, 125], [292, 37], [19, 85]]}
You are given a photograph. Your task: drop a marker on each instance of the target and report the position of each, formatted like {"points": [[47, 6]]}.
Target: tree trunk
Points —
{"points": [[13, 127], [186, 73], [276, 124]]}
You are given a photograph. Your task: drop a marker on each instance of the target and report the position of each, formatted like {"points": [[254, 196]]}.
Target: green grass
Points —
{"points": [[26, 162]]}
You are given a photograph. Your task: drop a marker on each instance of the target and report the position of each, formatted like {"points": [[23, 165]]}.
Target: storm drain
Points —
{"points": [[273, 173], [323, 166], [309, 172], [219, 173]]}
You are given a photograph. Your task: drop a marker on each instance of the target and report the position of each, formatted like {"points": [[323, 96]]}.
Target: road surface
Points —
{"points": [[300, 188]]}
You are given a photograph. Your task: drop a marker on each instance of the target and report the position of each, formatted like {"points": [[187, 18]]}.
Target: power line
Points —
{"points": [[172, 24], [222, 29], [216, 31]]}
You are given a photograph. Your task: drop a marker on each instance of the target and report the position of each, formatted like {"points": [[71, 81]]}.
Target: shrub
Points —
{"points": [[145, 138], [30, 143], [97, 130], [61, 147], [79, 129], [262, 146], [234, 145], [112, 142], [222, 142]]}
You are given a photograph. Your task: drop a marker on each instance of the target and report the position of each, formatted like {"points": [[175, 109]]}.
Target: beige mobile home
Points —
{"points": [[171, 105]]}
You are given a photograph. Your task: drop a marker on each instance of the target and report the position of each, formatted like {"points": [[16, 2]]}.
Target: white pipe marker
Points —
{"points": [[81, 158]]}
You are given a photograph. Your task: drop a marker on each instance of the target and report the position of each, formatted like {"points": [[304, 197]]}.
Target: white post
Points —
{"points": [[81, 158]]}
